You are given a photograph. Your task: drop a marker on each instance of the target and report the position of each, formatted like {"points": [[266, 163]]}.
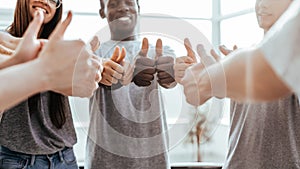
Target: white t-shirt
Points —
{"points": [[281, 46]]}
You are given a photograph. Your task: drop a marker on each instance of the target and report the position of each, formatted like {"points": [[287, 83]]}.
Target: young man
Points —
{"points": [[128, 123]]}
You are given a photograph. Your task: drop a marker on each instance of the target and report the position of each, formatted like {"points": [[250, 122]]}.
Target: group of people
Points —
{"points": [[127, 119]]}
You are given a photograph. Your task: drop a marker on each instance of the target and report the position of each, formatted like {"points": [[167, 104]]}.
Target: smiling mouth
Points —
{"points": [[263, 14], [41, 9], [124, 18]]}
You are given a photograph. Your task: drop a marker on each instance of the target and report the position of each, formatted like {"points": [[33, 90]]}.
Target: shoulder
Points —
{"points": [[105, 49]]}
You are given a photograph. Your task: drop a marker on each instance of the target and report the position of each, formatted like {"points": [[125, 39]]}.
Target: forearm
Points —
{"points": [[3, 58], [10, 61], [250, 78], [19, 82]]}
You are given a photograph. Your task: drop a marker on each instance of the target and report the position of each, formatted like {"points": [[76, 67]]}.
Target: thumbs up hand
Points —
{"points": [[70, 68], [112, 70], [182, 63], [128, 73], [128, 69], [164, 67], [95, 44], [144, 67]]}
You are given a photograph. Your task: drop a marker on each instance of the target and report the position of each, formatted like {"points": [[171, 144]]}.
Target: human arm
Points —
{"points": [[243, 76], [251, 79], [78, 71], [265, 72], [8, 41], [20, 82], [272, 65], [275, 60], [9, 44], [197, 90], [5, 52]]}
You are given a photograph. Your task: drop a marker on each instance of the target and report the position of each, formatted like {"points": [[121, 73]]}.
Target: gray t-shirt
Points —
{"points": [[265, 135], [29, 129], [128, 125]]}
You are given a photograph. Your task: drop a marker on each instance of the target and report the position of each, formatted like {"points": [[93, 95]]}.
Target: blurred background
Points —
{"points": [[228, 22]]}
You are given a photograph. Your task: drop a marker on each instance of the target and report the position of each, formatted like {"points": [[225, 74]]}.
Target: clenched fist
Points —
{"points": [[144, 67], [164, 67]]}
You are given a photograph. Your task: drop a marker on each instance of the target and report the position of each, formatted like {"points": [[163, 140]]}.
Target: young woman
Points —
{"points": [[39, 132]]}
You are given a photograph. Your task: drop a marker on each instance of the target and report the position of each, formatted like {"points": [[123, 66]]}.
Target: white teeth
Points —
{"points": [[41, 9], [124, 18]]}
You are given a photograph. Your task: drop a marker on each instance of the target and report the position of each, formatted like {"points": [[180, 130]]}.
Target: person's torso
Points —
{"points": [[265, 135], [127, 124], [29, 130]]}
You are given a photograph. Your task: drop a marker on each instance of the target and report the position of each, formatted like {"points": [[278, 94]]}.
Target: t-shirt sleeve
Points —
{"points": [[281, 46]]}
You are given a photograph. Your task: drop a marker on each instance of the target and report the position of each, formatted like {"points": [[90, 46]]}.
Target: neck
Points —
{"points": [[123, 36], [129, 38], [266, 30]]}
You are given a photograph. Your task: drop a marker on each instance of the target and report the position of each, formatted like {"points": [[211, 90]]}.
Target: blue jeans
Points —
{"points": [[64, 159]]}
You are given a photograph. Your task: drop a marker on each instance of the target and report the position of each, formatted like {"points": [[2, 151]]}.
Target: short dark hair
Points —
{"points": [[102, 5]]}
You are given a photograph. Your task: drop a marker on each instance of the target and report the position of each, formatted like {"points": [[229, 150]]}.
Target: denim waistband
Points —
{"points": [[32, 158]]}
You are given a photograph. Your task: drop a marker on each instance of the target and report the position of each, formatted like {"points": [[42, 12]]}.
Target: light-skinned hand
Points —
{"points": [[8, 43], [226, 51], [69, 67], [196, 93], [184, 62], [23, 54]]}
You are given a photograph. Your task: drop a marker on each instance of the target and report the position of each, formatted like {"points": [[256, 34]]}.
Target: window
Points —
{"points": [[242, 31], [177, 8], [229, 7]]}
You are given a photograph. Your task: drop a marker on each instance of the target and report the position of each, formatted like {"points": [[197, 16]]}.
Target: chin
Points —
{"points": [[125, 29], [265, 26], [46, 21], [125, 32]]}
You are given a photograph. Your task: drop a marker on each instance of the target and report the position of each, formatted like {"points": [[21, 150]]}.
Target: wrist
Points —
{"points": [[216, 80], [9, 62], [40, 70], [168, 85]]}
